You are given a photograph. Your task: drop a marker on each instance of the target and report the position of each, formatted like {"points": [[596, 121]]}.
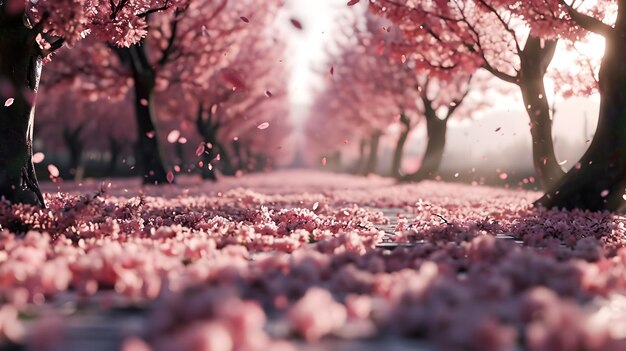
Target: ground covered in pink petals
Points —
{"points": [[287, 260]]}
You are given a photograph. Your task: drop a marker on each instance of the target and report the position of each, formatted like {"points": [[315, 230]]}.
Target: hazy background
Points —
{"points": [[470, 144]]}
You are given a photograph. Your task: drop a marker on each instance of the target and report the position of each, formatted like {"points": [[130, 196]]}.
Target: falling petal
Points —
{"points": [[498, 129], [315, 206], [263, 125], [173, 136], [150, 134], [324, 161], [353, 2], [245, 19], [332, 70], [53, 170], [604, 193], [9, 102], [200, 149], [38, 157], [296, 23], [170, 177], [503, 176], [268, 93]]}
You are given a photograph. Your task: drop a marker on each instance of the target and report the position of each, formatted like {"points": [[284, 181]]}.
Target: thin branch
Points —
{"points": [[589, 23], [164, 7]]}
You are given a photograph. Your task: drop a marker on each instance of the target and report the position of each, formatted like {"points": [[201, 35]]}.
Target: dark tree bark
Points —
{"points": [[20, 71], [599, 182], [226, 162], [535, 59], [261, 162], [436, 129], [180, 155], [241, 160], [208, 172], [207, 128], [149, 151], [250, 158], [372, 160], [396, 164], [115, 149], [359, 166], [75, 146]]}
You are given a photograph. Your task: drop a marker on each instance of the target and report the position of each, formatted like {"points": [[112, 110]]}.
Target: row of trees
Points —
{"points": [[489, 34], [516, 43], [373, 88], [207, 72]]}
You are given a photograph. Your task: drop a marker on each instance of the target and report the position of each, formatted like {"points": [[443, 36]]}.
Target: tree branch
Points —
{"points": [[587, 22]]}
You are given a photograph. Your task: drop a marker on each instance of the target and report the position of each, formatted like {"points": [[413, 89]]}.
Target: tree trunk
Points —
{"points": [[150, 153], [335, 161], [534, 61], [241, 161], [115, 149], [208, 171], [75, 146], [599, 180], [208, 132], [251, 161], [226, 161], [359, 166], [20, 71], [396, 165], [180, 154], [436, 129], [372, 160], [260, 162]]}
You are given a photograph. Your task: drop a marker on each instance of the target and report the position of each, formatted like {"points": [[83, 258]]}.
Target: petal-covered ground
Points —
{"points": [[306, 260]]}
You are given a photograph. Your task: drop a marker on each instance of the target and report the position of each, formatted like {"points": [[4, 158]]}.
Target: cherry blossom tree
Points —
{"points": [[350, 110], [465, 35], [597, 182], [370, 88], [242, 95], [183, 46], [29, 33], [437, 99], [331, 128], [71, 125], [373, 78]]}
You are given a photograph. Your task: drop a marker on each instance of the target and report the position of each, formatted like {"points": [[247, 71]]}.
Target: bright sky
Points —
{"points": [[308, 46]]}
